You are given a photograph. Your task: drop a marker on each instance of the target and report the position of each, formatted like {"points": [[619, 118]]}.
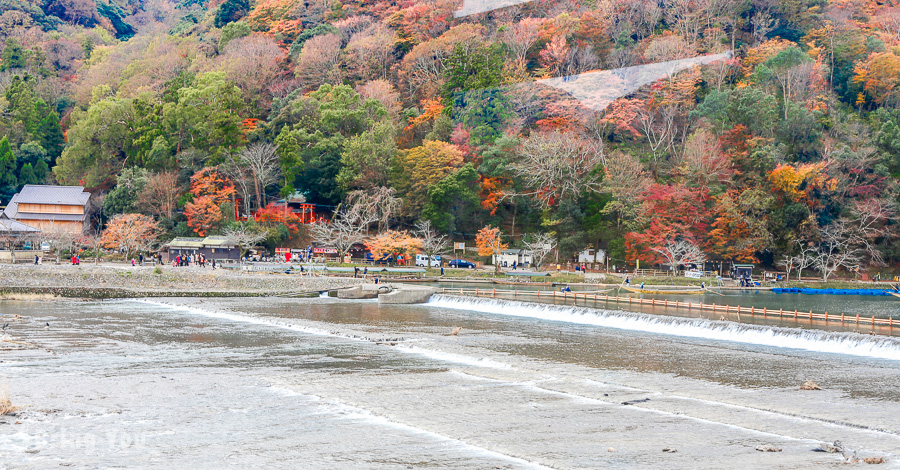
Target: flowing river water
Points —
{"points": [[327, 383]]}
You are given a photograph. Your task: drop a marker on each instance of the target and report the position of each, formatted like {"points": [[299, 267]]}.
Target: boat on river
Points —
{"points": [[523, 283], [638, 290]]}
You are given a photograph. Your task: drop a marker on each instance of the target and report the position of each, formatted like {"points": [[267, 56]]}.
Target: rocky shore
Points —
{"points": [[116, 281]]}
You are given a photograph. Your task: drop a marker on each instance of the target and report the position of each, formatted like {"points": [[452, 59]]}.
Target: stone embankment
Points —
{"points": [[407, 294], [388, 294], [115, 281]]}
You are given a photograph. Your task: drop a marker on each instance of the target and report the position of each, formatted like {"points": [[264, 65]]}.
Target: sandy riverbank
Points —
{"points": [[108, 280]]}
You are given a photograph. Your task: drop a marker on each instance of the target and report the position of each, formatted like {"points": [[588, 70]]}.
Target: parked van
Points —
{"points": [[422, 260]]}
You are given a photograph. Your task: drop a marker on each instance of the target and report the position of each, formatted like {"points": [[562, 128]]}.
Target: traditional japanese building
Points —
{"points": [[14, 235], [213, 247], [51, 208]]}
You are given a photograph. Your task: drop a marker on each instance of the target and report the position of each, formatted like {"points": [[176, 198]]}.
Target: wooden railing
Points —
{"points": [[598, 296]]}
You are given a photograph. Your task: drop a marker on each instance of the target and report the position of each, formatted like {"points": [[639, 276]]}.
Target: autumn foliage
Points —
{"points": [[800, 183], [674, 212], [273, 215], [129, 232], [210, 189], [392, 243], [489, 243]]}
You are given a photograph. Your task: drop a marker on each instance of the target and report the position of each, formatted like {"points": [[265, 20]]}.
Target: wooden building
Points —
{"points": [[13, 235], [51, 208], [213, 247]]}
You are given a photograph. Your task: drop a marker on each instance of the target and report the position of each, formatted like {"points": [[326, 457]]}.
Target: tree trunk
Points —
{"points": [[515, 211], [256, 187]]}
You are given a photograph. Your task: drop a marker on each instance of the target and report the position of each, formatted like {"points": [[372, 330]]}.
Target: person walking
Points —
{"points": [[141, 258], [355, 272]]}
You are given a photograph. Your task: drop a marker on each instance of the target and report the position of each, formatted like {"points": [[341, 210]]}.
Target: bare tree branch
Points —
{"points": [[433, 243], [346, 228], [540, 245], [262, 162], [557, 165], [680, 252], [244, 236]]}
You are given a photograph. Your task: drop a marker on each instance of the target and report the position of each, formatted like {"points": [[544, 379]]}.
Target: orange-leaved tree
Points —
{"points": [[273, 215], [675, 213], [131, 232], [210, 189], [489, 243], [738, 230], [803, 183], [392, 243]]}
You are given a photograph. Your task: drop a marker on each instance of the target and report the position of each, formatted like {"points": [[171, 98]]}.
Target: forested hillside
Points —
{"points": [[789, 145]]}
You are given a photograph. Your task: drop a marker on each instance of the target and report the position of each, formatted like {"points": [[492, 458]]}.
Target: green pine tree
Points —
{"points": [[7, 165], [14, 56], [41, 170], [51, 135], [26, 175], [24, 104]]}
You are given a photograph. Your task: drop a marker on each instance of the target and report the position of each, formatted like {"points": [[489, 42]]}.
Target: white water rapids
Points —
{"points": [[855, 344]]}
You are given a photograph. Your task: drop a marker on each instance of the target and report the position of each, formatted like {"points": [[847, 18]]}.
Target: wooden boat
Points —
{"points": [[638, 290], [895, 294], [409, 279], [523, 283]]}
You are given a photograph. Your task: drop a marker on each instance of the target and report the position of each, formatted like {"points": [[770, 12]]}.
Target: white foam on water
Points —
{"points": [[794, 338], [242, 318], [534, 386], [791, 416], [456, 358], [354, 413], [429, 353]]}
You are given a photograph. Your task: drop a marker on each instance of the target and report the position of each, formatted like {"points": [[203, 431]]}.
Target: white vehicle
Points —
{"points": [[422, 260]]}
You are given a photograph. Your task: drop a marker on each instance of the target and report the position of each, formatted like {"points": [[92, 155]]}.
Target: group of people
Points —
{"points": [[187, 260], [365, 271]]}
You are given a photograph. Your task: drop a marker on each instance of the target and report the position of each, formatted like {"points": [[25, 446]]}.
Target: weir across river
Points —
{"points": [[603, 296]]}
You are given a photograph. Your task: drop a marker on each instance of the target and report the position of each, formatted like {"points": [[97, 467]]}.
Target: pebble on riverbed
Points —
{"points": [[810, 385], [768, 448]]}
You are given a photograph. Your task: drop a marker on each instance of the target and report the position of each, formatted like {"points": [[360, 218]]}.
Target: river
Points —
{"points": [[327, 383]]}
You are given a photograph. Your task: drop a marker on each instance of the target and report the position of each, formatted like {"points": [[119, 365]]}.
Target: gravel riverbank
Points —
{"points": [[107, 281]]}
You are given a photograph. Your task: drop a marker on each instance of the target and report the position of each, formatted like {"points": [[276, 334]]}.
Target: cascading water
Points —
{"points": [[812, 340]]}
